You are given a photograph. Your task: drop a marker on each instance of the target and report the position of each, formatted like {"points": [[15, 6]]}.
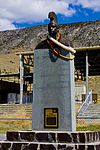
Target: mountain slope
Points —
{"points": [[76, 34]]}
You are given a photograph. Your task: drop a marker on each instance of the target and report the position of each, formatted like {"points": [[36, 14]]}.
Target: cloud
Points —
{"points": [[37, 10], [29, 10], [32, 10], [6, 25], [91, 4]]}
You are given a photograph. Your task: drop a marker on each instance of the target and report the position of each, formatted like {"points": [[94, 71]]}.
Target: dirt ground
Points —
{"points": [[9, 63]]}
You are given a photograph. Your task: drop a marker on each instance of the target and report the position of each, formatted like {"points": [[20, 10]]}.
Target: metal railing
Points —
{"points": [[85, 104]]}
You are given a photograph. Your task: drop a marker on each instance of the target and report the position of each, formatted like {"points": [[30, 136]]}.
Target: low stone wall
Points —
{"points": [[54, 136], [51, 140], [46, 146]]}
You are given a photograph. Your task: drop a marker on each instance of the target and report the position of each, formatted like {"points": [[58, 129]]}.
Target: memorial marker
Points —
{"points": [[54, 93]]}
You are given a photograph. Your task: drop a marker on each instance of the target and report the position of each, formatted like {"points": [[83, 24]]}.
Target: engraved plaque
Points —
{"points": [[50, 117]]}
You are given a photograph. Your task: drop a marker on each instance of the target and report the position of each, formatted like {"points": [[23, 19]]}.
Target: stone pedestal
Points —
{"points": [[53, 92]]}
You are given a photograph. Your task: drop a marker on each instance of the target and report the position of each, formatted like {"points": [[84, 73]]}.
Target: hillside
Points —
{"points": [[76, 34], [9, 63]]}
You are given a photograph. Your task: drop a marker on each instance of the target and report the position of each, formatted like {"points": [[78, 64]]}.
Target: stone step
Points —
{"points": [[95, 109], [13, 110], [96, 112], [92, 110], [54, 136], [92, 114], [5, 145]]}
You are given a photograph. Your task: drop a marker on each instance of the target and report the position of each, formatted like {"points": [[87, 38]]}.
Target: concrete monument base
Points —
{"points": [[54, 93]]}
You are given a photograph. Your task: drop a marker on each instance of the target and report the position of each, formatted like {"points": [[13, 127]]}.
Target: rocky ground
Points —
{"points": [[76, 34]]}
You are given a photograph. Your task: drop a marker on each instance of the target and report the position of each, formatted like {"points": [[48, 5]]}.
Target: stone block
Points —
{"points": [[64, 138], [97, 147], [47, 147], [60, 146], [45, 137], [90, 147], [81, 147], [69, 148], [16, 146], [5, 146], [81, 137], [74, 137], [30, 147], [13, 136], [27, 136]]}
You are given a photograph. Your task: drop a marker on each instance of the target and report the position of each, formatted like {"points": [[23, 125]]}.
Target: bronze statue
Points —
{"points": [[54, 39], [53, 26]]}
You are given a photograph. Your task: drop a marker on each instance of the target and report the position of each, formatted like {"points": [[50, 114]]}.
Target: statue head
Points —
{"points": [[52, 26]]}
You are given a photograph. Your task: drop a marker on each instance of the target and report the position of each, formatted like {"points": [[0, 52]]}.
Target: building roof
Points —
{"points": [[80, 59], [93, 59]]}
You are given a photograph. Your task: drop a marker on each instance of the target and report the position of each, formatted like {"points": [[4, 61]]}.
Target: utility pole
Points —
{"points": [[87, 73], [21, 77]]}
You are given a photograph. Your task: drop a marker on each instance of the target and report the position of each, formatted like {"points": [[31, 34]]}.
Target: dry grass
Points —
{"points": [[17, 112], [15, 125], [9, 63], [87, 127], [27, 125]]}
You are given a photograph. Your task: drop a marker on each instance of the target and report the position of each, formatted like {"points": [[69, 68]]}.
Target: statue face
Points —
{"points": [[52, 27]]}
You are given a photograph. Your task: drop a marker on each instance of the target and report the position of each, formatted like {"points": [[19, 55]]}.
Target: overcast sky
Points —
{"points": [[25, 13]]}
